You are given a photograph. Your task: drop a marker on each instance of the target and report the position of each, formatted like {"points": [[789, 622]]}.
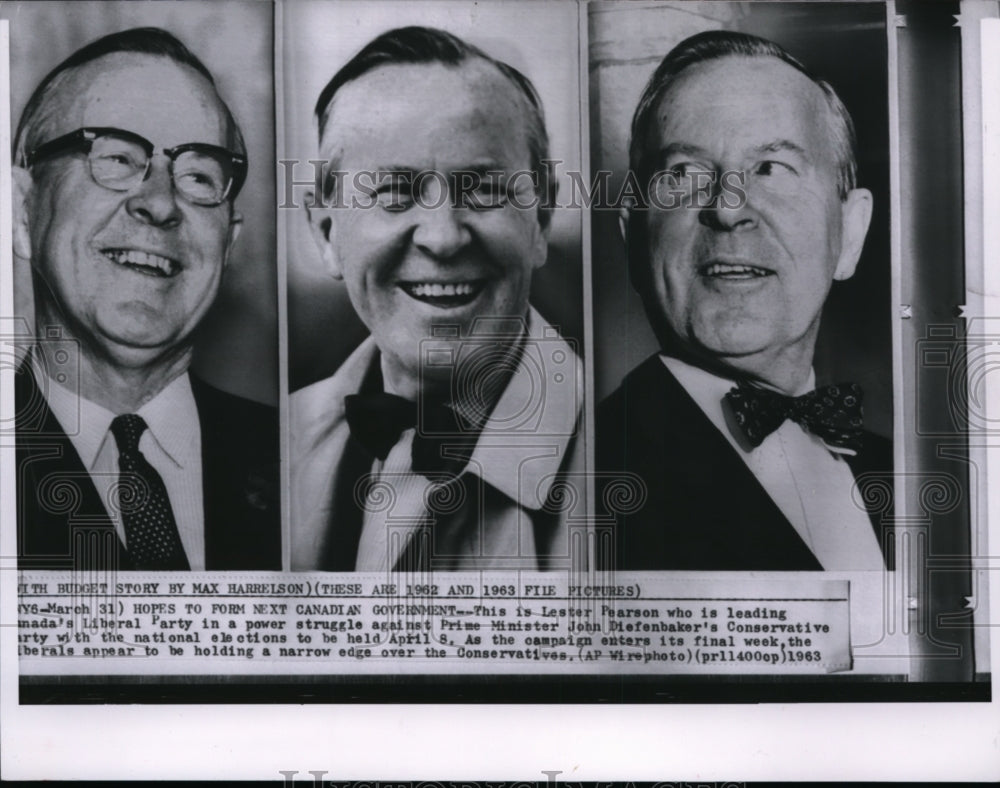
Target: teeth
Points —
{"points": [[435, 290], [721, 269], [145, 259]]}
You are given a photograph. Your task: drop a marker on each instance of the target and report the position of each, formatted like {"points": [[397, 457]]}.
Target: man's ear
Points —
{"points": [[624, 215], [632, 226], [541, 239], [541, 244], [856, 215], [22, 185], [235, 226], [321, 226]]}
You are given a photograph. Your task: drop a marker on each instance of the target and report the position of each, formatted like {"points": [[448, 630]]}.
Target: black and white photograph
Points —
{"points": [[147, 423], [760, 337], [457, 389], [733, 294], [436, 229]]}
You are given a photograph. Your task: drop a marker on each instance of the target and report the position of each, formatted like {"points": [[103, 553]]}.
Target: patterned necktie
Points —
{"points": [[378, 419], [832, 413], [150, 530]]}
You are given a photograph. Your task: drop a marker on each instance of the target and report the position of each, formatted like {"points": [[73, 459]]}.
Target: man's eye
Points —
{"points": [[771, 168], [195, 178], [487, 196], [114, 166], [111, 159], [692, 175], [394, 197], [393, 202]]}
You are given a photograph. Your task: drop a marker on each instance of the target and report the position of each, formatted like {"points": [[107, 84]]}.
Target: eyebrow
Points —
{"points": [[479, 168], [696, 151], [681, 149], [778, 146]]}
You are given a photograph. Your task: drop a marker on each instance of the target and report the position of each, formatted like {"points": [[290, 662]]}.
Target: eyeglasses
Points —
{"points": [[120, 160]]}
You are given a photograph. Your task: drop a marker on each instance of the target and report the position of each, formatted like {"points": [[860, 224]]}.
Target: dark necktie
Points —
{"points": [[832, 413], [150, 530], [378, 419]]}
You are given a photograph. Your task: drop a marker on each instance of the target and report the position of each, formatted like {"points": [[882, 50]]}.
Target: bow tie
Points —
{"points": [[832, 413], [378, 419]]}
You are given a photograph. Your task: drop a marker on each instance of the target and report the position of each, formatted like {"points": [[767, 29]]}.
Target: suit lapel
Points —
{"points": [[875, 457], [703, 499], [706, 510], [239, 450], [62, 521]]}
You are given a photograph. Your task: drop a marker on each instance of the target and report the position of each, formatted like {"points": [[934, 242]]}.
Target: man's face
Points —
{"points": [[130, 274], [410, 264], [743, 282]]}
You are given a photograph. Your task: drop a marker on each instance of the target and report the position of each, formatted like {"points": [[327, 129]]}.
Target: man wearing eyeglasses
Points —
{"points": [[127, 166]]}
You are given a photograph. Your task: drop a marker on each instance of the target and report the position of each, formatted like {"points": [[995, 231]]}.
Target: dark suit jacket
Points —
{"points": [[63, 524], [705, 510]]}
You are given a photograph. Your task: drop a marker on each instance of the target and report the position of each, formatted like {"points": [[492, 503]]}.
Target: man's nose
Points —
{"points": [[441, 231], [154, 201], [727, 207]]}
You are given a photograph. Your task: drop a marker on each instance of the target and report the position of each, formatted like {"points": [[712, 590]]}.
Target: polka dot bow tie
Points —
{"points": [[832, 413]]}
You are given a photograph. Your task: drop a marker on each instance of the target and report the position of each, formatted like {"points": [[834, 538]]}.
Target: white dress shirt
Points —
{"points": [[171, 444], [521, 465], [809, 481]]}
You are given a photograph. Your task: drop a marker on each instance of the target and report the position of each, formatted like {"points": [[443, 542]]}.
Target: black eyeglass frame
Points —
{"points": [[83, 140]]}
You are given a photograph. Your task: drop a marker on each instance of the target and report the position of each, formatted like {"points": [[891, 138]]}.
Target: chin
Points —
{"points": [[731, 339], [134, 350]]}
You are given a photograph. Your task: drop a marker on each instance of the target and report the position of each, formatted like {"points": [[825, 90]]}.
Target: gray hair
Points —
{"points": [[717, 44], [429, 45], [39, 112]]}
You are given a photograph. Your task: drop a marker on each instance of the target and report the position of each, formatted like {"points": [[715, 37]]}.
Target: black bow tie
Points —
{"points": [[378, 419], [832, 413]]}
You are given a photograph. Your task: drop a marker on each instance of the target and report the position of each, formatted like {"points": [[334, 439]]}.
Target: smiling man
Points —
{"points": [[747, 465], [440, 441], [127, 166]]}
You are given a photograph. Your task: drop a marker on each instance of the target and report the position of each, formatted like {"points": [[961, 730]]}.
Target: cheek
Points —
{"points": [[808, 228], [367, 245], [671, 243], [205, 240], [515, 242], [212, 247], [65, 198]]}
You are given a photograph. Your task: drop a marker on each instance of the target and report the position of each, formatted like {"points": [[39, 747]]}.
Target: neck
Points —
{"points": [[782, 377], [118, 388], [403, 383], [787, 370], [473, 396]]}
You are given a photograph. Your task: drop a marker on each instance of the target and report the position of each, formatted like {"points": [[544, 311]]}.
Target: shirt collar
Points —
{"points": [[534, 417], [171, 418], [522, 444], [86, 423]]}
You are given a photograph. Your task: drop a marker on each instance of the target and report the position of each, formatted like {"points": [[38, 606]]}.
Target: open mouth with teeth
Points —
{"points": [[445, 295], [143, 262], [734, 271]]}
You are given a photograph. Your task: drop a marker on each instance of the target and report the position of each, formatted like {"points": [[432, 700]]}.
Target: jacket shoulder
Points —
{"points": [[241, 423]]}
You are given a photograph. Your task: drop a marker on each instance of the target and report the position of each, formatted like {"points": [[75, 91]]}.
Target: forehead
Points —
{"points": [[738, 102], [429, 112], [167, 102]]}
